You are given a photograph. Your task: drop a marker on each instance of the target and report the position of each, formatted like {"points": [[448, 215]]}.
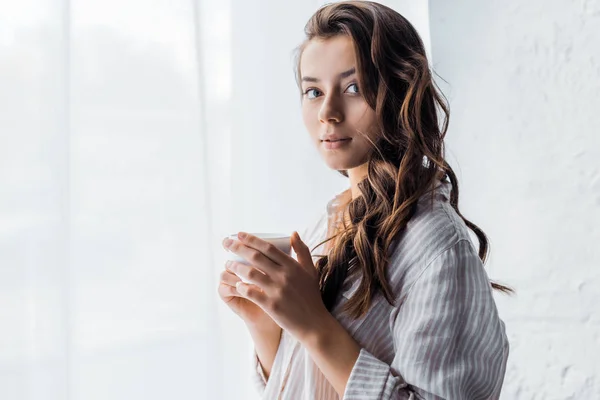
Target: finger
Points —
{"points": [[268, 249], [302, 251], [226, 290], [252, 293], [229, 278], [249, 274], [253, 256]]}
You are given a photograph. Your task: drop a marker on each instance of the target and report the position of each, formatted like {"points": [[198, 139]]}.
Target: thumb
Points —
{"points": [[302, 251]]}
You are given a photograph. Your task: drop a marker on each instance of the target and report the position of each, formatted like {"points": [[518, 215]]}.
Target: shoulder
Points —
{"points": [[435, 225], [435, 229]]}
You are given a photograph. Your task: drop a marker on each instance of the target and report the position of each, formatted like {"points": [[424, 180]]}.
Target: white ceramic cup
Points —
{"points": [[281, 241]]}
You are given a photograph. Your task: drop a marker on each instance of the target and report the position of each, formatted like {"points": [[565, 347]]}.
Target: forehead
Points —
{"points": [[327, 58]]}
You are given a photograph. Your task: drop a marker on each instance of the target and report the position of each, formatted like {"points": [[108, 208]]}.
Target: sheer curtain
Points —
{"points": [[133, 136]]}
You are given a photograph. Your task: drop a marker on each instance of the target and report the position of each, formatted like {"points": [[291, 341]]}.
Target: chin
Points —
{"points": [[344, 160], [340, 165]]}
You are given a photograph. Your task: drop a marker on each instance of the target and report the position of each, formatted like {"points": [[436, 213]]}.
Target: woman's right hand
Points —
{"points": [[252, 314]]}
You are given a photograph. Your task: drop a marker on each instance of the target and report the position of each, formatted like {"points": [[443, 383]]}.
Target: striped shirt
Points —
{"points": [[443, 339]]}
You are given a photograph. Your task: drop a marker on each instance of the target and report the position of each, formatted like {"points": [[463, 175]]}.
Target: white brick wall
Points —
{"points": [[524, 83]]}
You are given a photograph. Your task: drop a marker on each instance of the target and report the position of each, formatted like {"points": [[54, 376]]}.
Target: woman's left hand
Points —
{"points": [[286, 289]]}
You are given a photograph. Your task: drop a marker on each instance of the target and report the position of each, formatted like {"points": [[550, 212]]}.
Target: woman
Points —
{"points": [[399, 305]]}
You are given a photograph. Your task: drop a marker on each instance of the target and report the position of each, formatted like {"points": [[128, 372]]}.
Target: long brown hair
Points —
{"points": [[408, 156]]}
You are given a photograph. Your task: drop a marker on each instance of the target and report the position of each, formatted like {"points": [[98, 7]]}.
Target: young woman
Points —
{"points": [[396, 303]]}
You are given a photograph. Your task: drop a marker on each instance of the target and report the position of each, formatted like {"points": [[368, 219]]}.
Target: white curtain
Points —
{"points": [[134, 135]]}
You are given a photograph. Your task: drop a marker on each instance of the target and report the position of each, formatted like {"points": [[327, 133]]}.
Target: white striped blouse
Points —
{"points": [[442, 340]]}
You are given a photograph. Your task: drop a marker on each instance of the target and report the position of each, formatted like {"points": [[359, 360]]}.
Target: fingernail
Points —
{"points": [[241, 235], [227, 242], [228, 264]]}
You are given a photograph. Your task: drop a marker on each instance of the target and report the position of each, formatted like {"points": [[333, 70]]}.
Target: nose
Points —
{"points": [[330, 111]]}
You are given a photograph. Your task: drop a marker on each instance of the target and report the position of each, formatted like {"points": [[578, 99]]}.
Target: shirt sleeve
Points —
{"points": [[449, 341], [259, 380]]}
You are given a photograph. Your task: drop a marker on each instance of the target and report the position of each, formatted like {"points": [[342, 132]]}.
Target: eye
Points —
{"points": [[314, 95], [355, 88]]}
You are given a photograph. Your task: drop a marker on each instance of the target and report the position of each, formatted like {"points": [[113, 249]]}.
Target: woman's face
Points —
{"points": [[332, 105]]}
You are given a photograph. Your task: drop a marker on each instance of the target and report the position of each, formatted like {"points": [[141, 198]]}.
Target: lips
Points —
{"points": [[336, 144], [333, 137]]}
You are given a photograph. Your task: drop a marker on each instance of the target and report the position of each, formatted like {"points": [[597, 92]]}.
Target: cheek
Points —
{"points": [[363, 118], [311, 122], [372, 123]]}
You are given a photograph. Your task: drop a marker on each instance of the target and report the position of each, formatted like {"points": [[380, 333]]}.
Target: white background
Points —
{"points": [[523, 79]]}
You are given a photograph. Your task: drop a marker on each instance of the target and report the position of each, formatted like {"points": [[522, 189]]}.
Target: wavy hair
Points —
{"points": [[396, 82]]}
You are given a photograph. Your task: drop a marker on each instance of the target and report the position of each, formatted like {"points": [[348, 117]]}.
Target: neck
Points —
{"points": [[356, 175]]}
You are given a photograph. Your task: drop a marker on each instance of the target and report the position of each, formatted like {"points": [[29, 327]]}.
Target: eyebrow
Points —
{"points": [[343, 75]]}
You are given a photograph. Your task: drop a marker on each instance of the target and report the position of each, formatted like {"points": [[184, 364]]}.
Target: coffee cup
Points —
{"points": [[281, 241]]}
